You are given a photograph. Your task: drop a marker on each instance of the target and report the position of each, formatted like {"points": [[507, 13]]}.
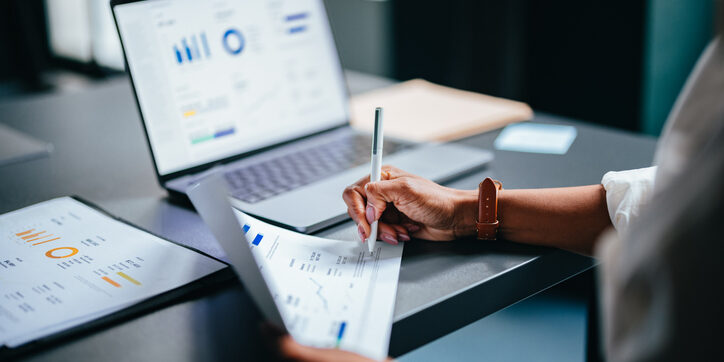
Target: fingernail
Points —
{"points": [[361, 232], [389, 239], [404, 237], [370, 213], [413, 228]]}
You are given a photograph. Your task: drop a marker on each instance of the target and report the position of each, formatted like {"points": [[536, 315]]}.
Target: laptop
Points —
{"points": [[254, 90]]}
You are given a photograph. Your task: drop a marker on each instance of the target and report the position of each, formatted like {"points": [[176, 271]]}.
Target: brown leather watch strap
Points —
{"points": [[487, 222]]}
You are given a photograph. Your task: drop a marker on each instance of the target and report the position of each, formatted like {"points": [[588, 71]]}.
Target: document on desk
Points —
{"points": [[63, 263], [330, 293]]}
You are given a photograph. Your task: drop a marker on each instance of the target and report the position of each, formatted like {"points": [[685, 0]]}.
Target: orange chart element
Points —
{"points": [[24, 235], [37, 236], [51, 253], [44, 241], [24, 232], [111, 282]]}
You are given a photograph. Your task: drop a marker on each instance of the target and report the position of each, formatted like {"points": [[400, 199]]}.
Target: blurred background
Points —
{"points": [[619, 63]]}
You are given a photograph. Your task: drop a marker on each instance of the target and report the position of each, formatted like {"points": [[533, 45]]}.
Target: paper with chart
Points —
{"points": [[331, 293], [63, 263]]}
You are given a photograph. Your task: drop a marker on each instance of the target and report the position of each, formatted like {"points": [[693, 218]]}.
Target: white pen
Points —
{"points": [[376, 170]]}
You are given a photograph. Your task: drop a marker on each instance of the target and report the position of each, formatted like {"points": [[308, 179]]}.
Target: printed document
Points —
{"points": [[330, 293], [63, 263]]}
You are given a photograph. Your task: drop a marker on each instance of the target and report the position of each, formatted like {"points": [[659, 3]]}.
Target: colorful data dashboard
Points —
{"points": [[216, 79], [64, 263]]}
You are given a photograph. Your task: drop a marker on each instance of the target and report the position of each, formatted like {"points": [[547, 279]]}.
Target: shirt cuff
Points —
{"points": [[626, 193]]}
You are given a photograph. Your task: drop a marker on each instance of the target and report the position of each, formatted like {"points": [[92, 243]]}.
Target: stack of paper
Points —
{"points": [[64, 263]]}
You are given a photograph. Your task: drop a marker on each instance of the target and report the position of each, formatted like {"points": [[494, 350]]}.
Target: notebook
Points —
{"points": [[419, 110]]}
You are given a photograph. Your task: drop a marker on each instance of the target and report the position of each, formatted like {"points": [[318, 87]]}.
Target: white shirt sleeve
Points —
{"points": [[626, 194]]}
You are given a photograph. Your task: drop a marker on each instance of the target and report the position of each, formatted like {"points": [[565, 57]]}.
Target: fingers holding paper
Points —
{"points": [[285, 348]]}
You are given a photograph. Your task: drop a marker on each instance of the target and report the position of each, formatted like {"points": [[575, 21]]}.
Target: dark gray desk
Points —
{"points": [[101, 155]]}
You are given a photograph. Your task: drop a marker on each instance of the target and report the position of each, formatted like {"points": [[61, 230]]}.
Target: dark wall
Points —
{"points": [[475, 45], [23, 43], [576, 58], [585, 59]]}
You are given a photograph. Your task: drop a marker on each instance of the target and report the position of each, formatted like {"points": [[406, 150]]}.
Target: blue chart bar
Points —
{"points": [[257, 239], [298, 16], [246, 228], [188, 50], [179, 59], [206, 45], [224, 132], [297, 29], [195, 43], [341, 332]]}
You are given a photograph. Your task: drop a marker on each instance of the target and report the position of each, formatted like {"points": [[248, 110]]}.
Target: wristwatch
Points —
{"points": [[487, 222]]}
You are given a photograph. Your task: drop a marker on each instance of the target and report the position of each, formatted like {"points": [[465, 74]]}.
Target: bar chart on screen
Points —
{"points": [[192, 48]]}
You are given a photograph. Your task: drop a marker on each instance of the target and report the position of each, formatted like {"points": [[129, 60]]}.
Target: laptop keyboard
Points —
{"points": [[257, 182]]}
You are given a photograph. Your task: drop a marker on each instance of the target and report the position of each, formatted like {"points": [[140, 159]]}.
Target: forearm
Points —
{"points": [[569, 218]]}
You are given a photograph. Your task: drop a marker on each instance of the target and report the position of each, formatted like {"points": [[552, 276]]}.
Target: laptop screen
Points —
{"points": [[216, 79]]}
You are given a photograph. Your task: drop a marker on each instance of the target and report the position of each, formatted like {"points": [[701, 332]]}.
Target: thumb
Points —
{"points": [[379, 194]]}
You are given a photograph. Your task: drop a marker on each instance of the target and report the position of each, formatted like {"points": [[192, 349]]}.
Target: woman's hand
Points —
{"points": [[406, 204], [285, 348]]}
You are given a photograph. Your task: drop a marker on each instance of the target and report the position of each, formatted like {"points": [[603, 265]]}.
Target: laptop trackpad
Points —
{"points": [[318, 205]]}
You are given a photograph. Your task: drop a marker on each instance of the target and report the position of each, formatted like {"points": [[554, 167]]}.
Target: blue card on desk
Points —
{"points": [[536, 138]]}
